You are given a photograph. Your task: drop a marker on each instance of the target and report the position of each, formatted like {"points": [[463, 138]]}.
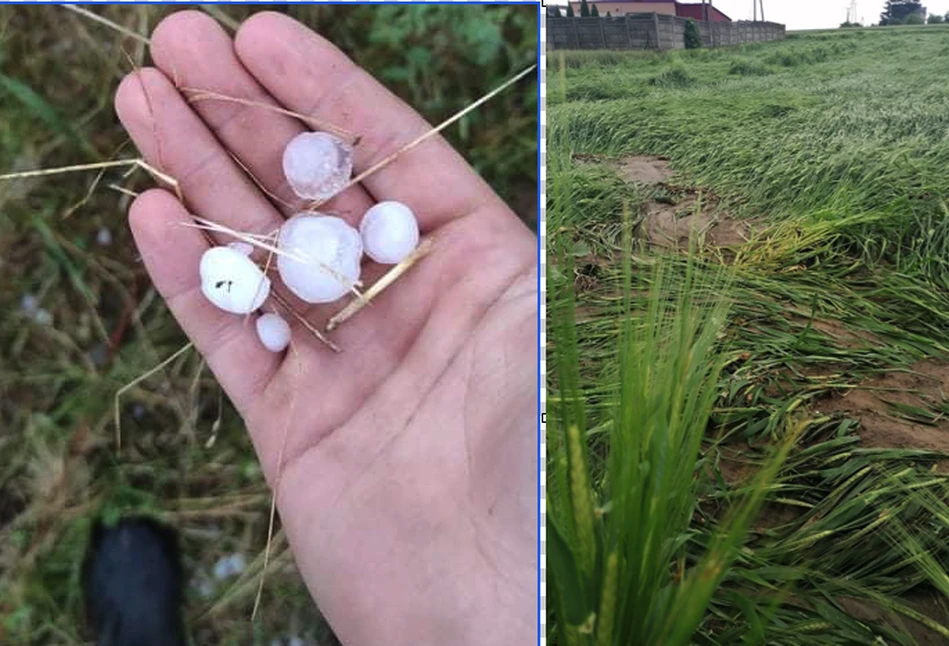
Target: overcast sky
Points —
{"points": [[812, 14], [815, 14]]}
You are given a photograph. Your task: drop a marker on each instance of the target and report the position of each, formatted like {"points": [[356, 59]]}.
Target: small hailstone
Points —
{"points": [[228, 566], [42, 317], [29, 304], [240, 246], [273, 332], [231, 281], [205, 587], [317, 165], [389, 232], [104, 237], [326, 253]]}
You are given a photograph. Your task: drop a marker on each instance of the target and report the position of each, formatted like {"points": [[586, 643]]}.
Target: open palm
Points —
{"points": [[408, 488]]}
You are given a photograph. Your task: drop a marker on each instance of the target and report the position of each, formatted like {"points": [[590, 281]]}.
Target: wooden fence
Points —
{"points": [[652, 31]]}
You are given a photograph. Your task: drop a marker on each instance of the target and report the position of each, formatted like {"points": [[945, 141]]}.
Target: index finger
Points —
{"points": [[308, 74]]}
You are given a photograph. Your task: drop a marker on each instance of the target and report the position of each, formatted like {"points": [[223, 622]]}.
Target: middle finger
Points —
{"points": [[191, 48]]}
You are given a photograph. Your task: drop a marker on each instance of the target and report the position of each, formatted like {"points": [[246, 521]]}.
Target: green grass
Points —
{"points": [[834, 144], [58, 467]]}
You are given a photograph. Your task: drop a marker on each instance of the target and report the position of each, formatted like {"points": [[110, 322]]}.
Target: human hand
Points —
{"points": [[408, 489]]}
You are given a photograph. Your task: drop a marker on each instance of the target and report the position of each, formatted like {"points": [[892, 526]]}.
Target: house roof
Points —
{"points": [[689, 7], [694, 10]]}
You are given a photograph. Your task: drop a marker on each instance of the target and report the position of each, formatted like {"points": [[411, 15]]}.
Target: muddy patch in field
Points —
{"points": [[587, 158], [739, 467], [669, 225], [588, 272], [774, 515], [734, 463], [926, 603], [848, 337], [644, 169], [638, 169], [672, 212], [844, 335], [900, 409]]}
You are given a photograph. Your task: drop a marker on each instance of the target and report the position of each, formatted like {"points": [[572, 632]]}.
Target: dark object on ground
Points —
{"points": [[132, 582]]}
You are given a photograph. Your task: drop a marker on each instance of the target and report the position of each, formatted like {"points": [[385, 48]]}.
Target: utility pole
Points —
{"points": [[762, 10], [710, 19], [852, 12], [754, 3]]}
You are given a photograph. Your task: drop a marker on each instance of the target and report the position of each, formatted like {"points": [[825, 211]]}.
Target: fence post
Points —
{"points": [[655, 25], [629, 35], [603, 32], [576, 32]]}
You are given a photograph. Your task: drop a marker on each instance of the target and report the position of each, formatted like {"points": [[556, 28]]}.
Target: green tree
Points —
{"points": [[693, 39], [584, 9], [935, 19], [608, 15], [887, 13], [897, 12], [914, 19], [594, 11], [570, 11]]}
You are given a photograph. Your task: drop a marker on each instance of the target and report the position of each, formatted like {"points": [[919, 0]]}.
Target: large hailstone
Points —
{"points": [[317, 165], [325, 257], [273, 332], [231, 280], [389, 232]]}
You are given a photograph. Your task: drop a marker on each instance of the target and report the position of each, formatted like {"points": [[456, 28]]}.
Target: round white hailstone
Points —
{"points": [[232, 282], [104, 237], [389, 232], [317, 165], [273, 332], [325, 257], [245, 248]]}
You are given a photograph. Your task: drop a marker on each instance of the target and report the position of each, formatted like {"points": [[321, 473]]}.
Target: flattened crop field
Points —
{"points": [[813, 177]]}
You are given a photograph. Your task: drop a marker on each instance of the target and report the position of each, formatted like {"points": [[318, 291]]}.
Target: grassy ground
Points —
{"points": [[816, 169], [78, 317]]}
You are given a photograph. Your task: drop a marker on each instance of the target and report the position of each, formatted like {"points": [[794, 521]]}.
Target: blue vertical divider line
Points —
{"points": [[542, 317]]}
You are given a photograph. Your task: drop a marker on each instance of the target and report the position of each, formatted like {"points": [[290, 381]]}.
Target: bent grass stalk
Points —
{"points": [[423, 249], [108, 23], [198, 94], [276, 488], [118, 423], [140, 163], [429, 134]]}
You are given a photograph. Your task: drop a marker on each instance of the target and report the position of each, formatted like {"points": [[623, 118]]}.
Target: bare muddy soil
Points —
{"points": [[643, 169], [923, 386], [669, 218], [671, 225]]}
